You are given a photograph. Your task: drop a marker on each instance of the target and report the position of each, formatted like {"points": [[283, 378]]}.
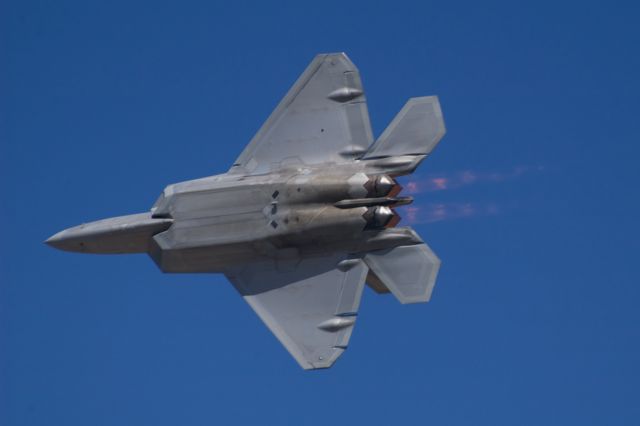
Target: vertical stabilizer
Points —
{"points": [[416, 130]]}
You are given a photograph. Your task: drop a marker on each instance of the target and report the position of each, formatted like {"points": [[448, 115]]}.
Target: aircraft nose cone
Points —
{"points": [[59, 241], [122, 234], [71, 239], [53, 240]]}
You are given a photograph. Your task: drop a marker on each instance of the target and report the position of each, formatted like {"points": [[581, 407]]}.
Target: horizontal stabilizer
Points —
{"points": [[416, 130], [409, 272]]}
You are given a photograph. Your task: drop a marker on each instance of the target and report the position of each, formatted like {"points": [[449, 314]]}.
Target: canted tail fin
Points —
{"points": [[416, 130], [409, 272]]}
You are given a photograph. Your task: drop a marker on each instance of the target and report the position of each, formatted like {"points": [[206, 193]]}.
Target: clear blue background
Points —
{"points": [[534, 319]]}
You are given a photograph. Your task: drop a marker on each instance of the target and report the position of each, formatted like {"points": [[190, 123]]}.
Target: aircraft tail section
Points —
{"points": [[409, 272], [416, 130]]}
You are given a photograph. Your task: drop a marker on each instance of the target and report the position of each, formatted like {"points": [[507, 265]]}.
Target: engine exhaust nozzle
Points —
{"points": [[382, 186], [380, 217]]}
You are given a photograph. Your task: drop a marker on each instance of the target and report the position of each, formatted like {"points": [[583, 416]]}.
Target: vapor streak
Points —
{"points": [[446, 181], [438, 212]]}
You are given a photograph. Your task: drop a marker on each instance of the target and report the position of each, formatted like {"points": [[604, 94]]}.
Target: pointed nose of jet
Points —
{"points": [[65, 240], [122, 234]]}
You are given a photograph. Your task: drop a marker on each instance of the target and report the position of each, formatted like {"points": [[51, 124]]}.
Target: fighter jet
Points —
{"points": [[305, 216]]}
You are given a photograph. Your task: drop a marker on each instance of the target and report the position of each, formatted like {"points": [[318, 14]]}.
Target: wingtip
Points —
{"points": [[325, 362], [332, 54], [340, 57]]}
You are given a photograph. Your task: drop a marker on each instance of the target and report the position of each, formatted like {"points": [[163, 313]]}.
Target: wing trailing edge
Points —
{"points": [[311, 309]]}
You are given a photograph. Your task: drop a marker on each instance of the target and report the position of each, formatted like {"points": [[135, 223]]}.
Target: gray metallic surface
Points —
{"points": [[416, 129], [311, 306], [323, 118], [409, 272], [303, 218], [117, 235]]}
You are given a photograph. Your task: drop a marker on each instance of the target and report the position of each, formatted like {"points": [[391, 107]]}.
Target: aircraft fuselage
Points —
{"points": [[211, 224]]}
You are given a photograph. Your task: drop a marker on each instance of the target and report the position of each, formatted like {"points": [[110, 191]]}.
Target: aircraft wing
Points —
{"points": [[311, 308], [323, 118]]}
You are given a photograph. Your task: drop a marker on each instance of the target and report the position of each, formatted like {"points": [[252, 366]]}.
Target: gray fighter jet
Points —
{"points": [[302, 219]]}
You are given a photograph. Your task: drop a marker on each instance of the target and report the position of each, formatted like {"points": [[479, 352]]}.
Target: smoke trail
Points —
{"points": [[438, 212], [445, 181]]}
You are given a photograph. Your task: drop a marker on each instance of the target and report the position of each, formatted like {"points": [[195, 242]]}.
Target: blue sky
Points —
{"points": [[534, 318]]}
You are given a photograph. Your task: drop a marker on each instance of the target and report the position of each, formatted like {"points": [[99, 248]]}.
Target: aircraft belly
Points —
{"points": [[217, 203], [204, 259], [214, 231]]}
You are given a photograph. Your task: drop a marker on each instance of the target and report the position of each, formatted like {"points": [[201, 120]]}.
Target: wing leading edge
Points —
{"points": [[323, 118], [311, 309]]}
